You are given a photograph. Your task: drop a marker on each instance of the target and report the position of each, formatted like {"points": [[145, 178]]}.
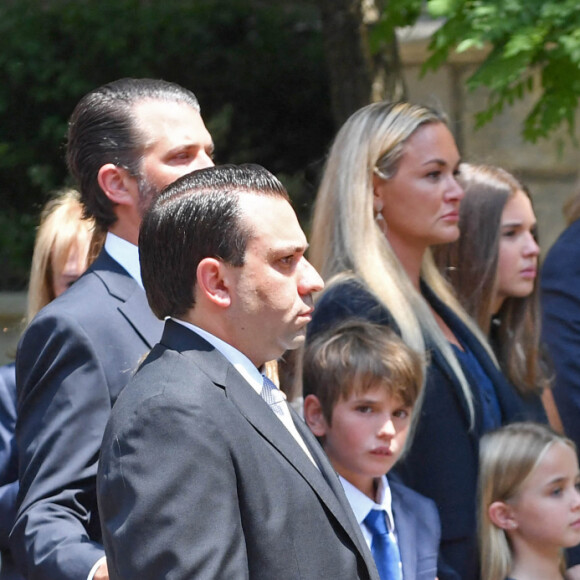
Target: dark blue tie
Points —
{"points": [[384, 549]]}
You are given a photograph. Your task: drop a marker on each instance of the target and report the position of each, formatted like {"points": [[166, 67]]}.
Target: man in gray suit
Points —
{"points": [[205, 470], [127, 140]]}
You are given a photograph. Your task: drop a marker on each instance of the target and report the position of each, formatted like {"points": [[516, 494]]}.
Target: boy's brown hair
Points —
{"points": [[356, 355]]}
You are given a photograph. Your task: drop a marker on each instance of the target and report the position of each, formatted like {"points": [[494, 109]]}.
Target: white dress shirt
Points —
{"points": [[361, 505], [125, 254]]}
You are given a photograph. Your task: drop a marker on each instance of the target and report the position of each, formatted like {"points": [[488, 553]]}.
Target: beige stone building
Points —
{"points": [[549, 168]]}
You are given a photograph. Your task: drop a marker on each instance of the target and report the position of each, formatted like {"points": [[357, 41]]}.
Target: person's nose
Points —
{"points": [[454, 190], [576, 499], [202, 160], [310, 280], [531, 248], [387, 429]]}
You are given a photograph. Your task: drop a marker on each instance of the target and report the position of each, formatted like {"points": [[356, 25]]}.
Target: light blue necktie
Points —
{"points": [[275, 398], [384, 549]]}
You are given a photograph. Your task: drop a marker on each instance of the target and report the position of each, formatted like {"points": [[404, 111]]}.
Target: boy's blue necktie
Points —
{"points": [[384, 549]]}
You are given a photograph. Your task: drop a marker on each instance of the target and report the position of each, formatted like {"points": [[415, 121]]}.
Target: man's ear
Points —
{"points": [[117, 184], [212, 283], [502, 515], [314, 416]]}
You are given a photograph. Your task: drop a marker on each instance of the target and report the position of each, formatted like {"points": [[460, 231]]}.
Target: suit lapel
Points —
{"points": [[508, 401], [405, 529], [463, 335], [323, 481], [133, 303], [330, 476], [137, 312]]}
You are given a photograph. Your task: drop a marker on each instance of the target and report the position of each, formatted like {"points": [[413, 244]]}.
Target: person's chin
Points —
{"points": [[297, 340]]}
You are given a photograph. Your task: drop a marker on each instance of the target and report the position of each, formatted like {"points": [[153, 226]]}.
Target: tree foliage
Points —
{"points": [[256, 66], [535, 48]]}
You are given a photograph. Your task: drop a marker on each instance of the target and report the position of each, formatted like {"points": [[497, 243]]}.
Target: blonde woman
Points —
{"points": [[529, 503], [62, 249], [388, 193]]}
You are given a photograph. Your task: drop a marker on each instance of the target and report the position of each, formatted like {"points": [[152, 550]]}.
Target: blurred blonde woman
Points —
{"points": [[62, 251], [388, 193], [529, 505]]}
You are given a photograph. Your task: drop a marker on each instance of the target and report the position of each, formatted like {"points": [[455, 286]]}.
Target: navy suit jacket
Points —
{"points": [[442, 463], [72, 362], [8, 468], [8, 458], [418, 531], [560, 299], [199, 479]]}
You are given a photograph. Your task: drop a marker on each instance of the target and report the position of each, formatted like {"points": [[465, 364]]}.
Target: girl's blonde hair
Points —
{"points": [[507, 457], [347, 242], [61, 228]]}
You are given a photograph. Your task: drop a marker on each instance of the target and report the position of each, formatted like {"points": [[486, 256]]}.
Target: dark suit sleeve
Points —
{"points": [[168, 497], [560, 298], [561, 332], [63, 406], [8, 459]]}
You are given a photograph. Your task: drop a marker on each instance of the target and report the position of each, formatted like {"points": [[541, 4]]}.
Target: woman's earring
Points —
{"points": [[378, 211], [379, 219]]}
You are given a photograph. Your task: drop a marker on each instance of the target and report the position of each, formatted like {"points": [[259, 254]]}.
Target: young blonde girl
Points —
{"points": [[529, 508]]}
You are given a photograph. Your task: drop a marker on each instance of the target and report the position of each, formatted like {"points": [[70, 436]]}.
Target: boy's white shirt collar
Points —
{"points": [[125, 254], [362, 504]]}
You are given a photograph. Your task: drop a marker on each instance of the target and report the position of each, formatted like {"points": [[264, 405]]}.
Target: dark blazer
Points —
{"points": [[8, 459], [442, 462], [560, 299], [71, 364], [8, 468], [199, 479], [418, 531]]}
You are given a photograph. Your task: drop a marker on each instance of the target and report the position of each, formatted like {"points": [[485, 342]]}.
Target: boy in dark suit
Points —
{"points": [[361, 383]]}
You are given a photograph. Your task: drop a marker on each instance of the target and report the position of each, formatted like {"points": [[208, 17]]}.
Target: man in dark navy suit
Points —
{"points": [[127, 140]]}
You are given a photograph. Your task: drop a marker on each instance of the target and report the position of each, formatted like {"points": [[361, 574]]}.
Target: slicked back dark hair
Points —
{"points": [[102, 130], [196, 217]]}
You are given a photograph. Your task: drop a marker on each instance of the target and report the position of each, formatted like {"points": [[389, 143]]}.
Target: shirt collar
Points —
{"points": [[240, 361], [125, 254], [362, 504]]}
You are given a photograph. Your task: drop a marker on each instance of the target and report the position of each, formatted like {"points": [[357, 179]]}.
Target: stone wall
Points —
{"points": [[549, 168]]}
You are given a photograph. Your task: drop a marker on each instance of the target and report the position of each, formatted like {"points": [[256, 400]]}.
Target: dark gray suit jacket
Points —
{"points": [[199, 479], [72, 362]]}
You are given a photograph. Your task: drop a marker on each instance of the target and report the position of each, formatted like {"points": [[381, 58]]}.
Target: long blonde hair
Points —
{"points": [[507, 457], [346, 241], [61, 228]]}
